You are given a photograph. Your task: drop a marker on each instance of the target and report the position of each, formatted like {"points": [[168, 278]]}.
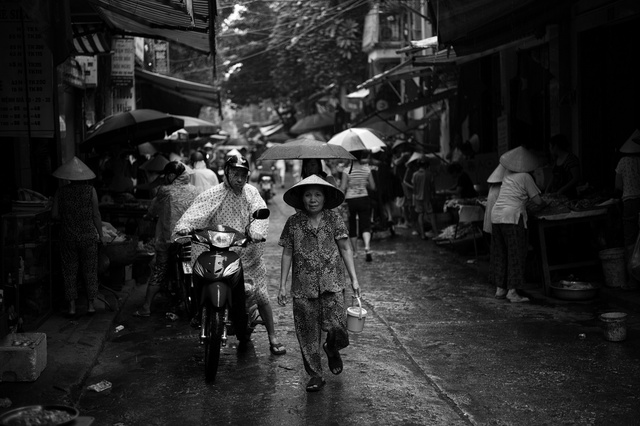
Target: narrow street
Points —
{"points": [[437, 349]]}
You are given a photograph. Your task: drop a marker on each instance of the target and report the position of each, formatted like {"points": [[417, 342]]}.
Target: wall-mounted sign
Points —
{"points": [[72, 73], [89, 66], [123, 62], [26, 81], [124, 99], [161, 57]]}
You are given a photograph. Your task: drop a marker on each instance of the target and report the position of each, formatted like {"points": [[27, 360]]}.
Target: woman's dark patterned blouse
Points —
{"points": [[317, 262]]}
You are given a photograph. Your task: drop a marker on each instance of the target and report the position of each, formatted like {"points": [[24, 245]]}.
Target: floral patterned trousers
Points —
{"points": [[313, 316]]}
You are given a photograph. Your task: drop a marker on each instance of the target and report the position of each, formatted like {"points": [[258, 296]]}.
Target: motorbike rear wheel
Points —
{"points": [[213, 342]]}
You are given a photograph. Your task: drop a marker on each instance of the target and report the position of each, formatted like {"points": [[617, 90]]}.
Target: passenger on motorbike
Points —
{"points": [[232, 203], [172, 200]]}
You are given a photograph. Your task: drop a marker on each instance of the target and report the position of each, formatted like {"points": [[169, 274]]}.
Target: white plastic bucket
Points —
{"points": [[356, 317], [615, 326]]}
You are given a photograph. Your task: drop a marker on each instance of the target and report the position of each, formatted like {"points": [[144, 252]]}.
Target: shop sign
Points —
{"points": [[89, 66], [123, 62], [26, 81], [124, 99], [72, 73], [161, 57]]}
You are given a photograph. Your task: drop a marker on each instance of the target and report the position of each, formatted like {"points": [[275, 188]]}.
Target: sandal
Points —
{"points": [[277, 349], [315, 384], [335, 361]]}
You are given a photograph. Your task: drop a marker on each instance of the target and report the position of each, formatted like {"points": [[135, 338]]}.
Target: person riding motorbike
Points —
{"points": [[232, 203]]}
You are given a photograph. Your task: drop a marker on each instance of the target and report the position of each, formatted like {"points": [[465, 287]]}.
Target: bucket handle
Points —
{"points": [[359, 307]]}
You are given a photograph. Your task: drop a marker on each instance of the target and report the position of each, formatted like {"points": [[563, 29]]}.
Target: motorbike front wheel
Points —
{"points": [[213, 341]]}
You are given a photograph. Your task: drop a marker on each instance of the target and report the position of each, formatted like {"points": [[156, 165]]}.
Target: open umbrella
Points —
{"points": [[131, 128], [312, 122], [305, 148], [357, 139], [197, 126]]}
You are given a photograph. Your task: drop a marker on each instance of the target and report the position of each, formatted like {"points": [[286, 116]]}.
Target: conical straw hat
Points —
{"points": [[497, 175], [74, 169], [415, 157], [632, 145], [333, 196], [519, 160]]}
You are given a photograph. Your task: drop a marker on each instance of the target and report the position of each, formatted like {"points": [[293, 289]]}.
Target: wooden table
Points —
{"points": [[548, 222]]}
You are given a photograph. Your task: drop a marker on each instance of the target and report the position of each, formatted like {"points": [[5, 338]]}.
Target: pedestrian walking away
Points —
{"points": [[232, 203], [314, 242], [75, 205]]}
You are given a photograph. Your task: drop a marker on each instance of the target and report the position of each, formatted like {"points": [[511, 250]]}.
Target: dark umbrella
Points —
{"points": [[131, 128], [305, 148], [312, 122]]}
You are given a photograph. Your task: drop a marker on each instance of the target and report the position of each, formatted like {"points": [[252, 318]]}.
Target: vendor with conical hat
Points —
{"points": [[509, 240], [75, 206], [495, 182], [315, 242], [628, 181]]}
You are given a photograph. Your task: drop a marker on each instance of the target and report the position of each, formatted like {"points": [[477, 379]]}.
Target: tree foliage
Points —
{"points": [[289, 50]]}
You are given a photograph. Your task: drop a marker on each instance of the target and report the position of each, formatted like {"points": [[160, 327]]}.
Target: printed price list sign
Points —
{"points": [[26, 83]]}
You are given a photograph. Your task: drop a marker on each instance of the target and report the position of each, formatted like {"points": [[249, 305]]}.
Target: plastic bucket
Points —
{"points": [[356, 317], [615, 326], [613, 266]]}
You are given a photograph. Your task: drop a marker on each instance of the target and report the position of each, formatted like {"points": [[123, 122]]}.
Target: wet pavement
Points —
{"points": [[437, 349]]}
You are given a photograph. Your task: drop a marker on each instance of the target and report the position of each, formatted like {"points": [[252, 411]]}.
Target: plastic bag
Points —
{"points": [[634, 261]]}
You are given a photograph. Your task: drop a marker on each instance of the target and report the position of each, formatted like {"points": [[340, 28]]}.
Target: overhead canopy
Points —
{"points": [[474, 25], [198, 93], [171, 20], [90, 39], [397, 74]]}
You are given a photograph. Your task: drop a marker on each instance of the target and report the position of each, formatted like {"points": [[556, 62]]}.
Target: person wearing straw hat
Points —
{"points": [[75, 206], [628, 181], [509, 238], [172, 199], [315, 242]]}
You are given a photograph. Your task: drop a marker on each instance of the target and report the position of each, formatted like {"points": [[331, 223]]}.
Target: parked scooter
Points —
{"points": [[225, 300], [265, 183]]}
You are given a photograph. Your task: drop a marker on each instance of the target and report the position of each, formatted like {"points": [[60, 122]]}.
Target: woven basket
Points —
{"points": [[121, 253]]}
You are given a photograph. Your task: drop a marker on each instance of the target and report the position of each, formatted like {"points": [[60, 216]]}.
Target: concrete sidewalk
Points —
{"points": [[73, 347]]}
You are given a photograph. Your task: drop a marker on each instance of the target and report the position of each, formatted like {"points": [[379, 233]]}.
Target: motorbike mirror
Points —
{"points": [[261, 214]]}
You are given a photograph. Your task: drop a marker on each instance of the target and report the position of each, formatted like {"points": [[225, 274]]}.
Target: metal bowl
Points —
{"points": [[19, 416], [574, 290]]}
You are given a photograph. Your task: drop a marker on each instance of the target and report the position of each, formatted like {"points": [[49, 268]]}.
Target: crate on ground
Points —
{"points": [[23, 356]]}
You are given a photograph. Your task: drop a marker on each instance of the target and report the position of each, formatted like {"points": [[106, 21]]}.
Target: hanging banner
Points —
{"points": [[26, 81], [123, 62]]}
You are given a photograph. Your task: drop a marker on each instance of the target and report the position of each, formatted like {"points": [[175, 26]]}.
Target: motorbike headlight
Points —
{"points": [[232, 268], [221, 239]]}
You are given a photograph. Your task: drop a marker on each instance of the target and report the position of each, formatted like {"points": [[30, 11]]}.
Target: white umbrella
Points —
{"points": [[358, 139]]}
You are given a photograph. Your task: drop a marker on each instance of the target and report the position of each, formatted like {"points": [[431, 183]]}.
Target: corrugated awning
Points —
{"points": [[90, 39], [170, 20], [193, 92]]}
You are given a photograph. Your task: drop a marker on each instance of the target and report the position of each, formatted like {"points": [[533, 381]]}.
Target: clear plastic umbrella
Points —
{"points": [[358, 139]]}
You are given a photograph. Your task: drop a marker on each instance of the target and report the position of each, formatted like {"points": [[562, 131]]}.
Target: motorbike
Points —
{"points": [[265, 183], [225, 301]]}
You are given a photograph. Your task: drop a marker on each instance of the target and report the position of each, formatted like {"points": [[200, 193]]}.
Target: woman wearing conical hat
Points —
{"points": [[509, 223], [75, 205], [628, 181]]}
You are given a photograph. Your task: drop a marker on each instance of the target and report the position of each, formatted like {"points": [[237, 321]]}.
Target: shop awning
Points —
{"points": [[90, 39], [471, 26], [202, 94], [187, 22]]}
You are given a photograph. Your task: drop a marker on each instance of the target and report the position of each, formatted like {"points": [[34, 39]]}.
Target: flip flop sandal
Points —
{"points": [[277, 349], [335, 361], [141, 314], [315, 384]]}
